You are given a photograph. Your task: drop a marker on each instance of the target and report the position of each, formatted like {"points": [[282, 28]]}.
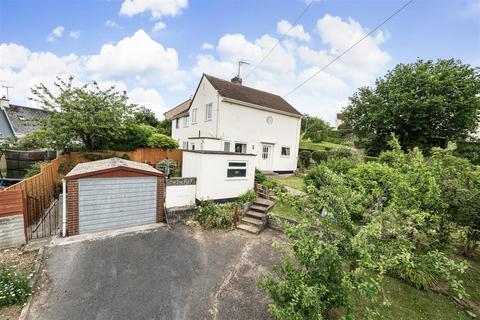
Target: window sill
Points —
{"points": [[235, 179]]}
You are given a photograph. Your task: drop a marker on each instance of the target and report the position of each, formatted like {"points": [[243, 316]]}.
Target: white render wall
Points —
{"points": [[211, 173], [239, 123], [180, 196]]}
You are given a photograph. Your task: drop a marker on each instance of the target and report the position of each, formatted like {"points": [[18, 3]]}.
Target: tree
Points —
{"points": [[83, 114], [423, 103], [315, 129], [165, 127], [134, 136], [146, 116], [158, 140], [37, 139]]}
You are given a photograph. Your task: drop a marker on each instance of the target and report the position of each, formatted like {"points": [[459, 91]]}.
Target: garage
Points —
{"points": [[113, 193]]}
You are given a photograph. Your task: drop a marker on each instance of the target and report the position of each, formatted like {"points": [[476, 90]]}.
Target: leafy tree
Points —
{"points": [[423, 103], [315, 129], [165, 127], [146, 116], [158, 140], [34, 140], [85, 114], [134, 136]]}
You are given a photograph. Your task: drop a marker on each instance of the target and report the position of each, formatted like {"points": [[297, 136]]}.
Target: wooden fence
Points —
{"points": [[11, 203]]}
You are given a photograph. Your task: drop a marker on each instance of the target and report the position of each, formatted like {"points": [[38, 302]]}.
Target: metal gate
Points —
{"points": [[42, 223]]}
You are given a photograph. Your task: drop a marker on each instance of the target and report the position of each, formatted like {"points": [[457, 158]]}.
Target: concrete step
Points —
{"points": [[257, 208], [256, 214], [252, 221], [263, 202], [248, 228]]}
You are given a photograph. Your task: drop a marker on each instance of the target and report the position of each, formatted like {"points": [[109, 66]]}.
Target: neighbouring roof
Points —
{"points": [[24, 120], [243, 93], [107, 165], [5, 128], [179, 110]]}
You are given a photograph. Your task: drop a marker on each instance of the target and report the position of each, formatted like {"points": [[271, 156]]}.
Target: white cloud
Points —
{"points": [[158, 8], [138, 55], [74, 34], [149, 98], [207, 46], [295, 32], [159, 26], [13, 55], [55, 34], [111, 24]]}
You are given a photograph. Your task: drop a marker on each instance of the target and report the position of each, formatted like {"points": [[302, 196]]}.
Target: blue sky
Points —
{"points": [[114, 42]]}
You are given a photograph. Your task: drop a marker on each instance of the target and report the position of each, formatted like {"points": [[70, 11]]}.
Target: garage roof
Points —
{"points": [[86, 169]]}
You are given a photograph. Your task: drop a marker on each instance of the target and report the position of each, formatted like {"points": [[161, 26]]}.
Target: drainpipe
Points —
{"points": [[218, 114], [64, 208]]}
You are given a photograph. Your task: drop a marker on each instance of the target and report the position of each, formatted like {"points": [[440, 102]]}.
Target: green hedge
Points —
{"points": [[469, 150]]}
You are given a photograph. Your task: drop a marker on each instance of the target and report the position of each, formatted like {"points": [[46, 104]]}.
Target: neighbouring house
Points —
{"points": [[113, 193], [18, 120], [228, 118]]}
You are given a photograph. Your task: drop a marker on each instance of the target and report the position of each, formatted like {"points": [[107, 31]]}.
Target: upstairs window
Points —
{"points": [[194, 116], [185, 122], [285, 151], [177, 123], [208, 112], [240, 148], [226, 146], [185, 145], [237, 169]]}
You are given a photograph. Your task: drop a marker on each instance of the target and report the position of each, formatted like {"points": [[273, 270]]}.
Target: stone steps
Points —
{"points": [[256, 219]]}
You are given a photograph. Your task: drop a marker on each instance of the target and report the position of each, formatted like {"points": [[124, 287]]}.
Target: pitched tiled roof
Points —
{"points": [[178, 110], [243, 93], [24, 119], [5, 128]]}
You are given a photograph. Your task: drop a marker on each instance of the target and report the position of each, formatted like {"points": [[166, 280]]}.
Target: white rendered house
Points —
{"points": [[225, 116]]}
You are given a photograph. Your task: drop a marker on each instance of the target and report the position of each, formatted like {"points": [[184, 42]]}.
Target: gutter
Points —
{"points": [[256, 106]]}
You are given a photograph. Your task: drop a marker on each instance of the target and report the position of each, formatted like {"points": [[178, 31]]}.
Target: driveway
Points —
{"points": [[181, 273]]}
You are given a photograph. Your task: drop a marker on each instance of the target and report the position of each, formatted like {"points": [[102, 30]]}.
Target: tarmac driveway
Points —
{"points": [[181, 273]]}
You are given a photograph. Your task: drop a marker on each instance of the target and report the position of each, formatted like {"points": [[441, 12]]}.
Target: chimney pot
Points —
{"points": [[237, 80]]}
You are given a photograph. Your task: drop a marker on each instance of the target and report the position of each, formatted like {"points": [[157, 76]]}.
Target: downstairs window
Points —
{"points": [[237, 169]]}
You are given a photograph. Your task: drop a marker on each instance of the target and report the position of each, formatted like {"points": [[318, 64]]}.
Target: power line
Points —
{"points": [[350, 48], [281, 38]]}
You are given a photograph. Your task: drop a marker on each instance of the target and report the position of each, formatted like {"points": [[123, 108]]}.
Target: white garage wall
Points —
{"points": [[180, 196], [210, 169]]}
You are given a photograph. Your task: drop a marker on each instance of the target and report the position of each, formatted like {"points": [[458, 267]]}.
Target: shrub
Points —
{"points": [[134, 136], [270, 184], [341, 165], [469, 150], [259, 176], [35, 169], [319, 156], [248, 196], [304, 157], [158, 140], [343, 152], [14, 289], [320, 176], [211, 215]]}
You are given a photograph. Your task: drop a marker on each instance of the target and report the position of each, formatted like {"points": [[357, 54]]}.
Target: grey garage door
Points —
{"points": [[110, 203]]}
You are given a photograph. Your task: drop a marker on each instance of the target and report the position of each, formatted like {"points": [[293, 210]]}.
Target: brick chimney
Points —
{"points": [[237, 80]]}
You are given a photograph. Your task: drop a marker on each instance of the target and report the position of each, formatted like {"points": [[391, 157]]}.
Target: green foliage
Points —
{"points": [[88, 114], [469, 150], [35, 169], [14, 289], [304, 157], [211, 215], [319, 156], [315, 129], [165, 127], [423, 103], [33, 141], [158, 140], [270, 184], [167, 166], [94, 156], [259, 176], [134, 136], [146, 116], [248, 196]]}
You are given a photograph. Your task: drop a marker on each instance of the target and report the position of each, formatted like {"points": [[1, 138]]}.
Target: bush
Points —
{"points": [[248, 196], [340, 153], [320, 176], [270, 184], [158, 140], [304, 157], [14, 289], [35, 169], [211, 215], [34, 140], [319, 156], [469, 150], [259, 176], [134, 136], [341, 165]]}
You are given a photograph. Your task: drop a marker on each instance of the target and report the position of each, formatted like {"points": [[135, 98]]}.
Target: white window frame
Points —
{"points": [[235, 146], [230, 167], [208, 112], [289, 152], [229, 146], [194, 116], [185, 145], [177, 123], [185, 122]]}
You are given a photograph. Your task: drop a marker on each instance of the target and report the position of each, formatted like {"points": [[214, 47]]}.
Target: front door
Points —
{"points": [[266, 160]]}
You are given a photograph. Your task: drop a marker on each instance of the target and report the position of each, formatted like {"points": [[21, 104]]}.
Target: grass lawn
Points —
{"points": [[305, 144], [291, 181], [284, 210]]}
